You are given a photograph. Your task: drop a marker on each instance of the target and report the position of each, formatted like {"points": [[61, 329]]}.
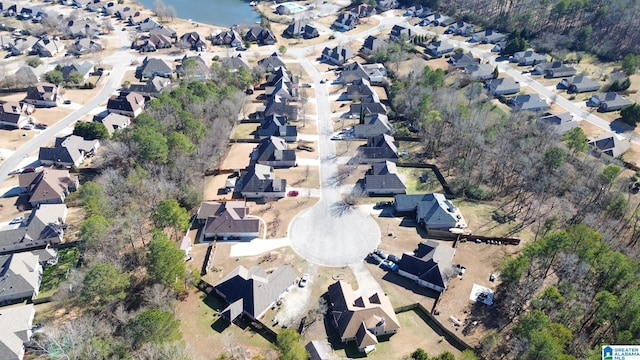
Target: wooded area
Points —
{"points": [[575, 286], [150, 180], [609, 29]]}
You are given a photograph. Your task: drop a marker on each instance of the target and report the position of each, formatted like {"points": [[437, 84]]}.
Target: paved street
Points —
{"points": [[120, 60], [331, 233]]}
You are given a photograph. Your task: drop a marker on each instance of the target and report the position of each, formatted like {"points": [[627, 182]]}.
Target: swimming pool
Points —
{"points": [[294, 8]]}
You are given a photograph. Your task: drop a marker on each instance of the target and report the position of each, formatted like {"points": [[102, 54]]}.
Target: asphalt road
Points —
{"points": [[331, 233], [119, 60]]}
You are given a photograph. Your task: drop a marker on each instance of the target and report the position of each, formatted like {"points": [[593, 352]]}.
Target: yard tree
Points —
{"points": [[170, 214], [629, 63], [94, 228], [93, 198], [631, 114], [444, 356], [152, 145], [289, 346], [153, 326], [419, 354], [553, 157], [103, 283], [576, 140], [91, 130], [166, 261], [54, 77], [468, 355], [75, 78]]}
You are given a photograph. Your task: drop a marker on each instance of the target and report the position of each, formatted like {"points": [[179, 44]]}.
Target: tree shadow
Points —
{"points": [[340, 208], [410, 285], [619, 124]]}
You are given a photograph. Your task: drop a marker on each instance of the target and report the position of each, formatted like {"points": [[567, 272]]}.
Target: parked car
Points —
{"points": [[306, 85], [375, 258], [382, 204], [380, 253], [28, 126], [41, 126], [67, 102], [389, 265], [393, 258], [304, 280], [305, 148], [16, 220], [293, 193]]}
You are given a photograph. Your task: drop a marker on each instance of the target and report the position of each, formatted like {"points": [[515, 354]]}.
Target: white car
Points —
{"points": [[304, 280], [17, 220]]}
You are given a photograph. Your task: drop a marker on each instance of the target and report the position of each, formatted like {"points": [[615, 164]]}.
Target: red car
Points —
{"points": [[293, 193]]}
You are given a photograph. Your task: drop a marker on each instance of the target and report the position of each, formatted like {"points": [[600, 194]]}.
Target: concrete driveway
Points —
{"points": [[331, 233]]}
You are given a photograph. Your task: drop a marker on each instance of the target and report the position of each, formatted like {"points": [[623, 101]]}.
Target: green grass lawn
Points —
{"points": [[54, 275], [244, 131]]}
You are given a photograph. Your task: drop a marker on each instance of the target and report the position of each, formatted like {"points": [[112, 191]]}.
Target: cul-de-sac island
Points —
{"points": [[384, 179]]}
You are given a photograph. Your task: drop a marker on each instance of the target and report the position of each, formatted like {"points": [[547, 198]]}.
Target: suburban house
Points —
{"points": [[44, 227], [386, 5], [152, 88], [579, 84], [30, 75], [159, 41], [367, 106], [361, 319], [84, 68], [502, 86], [461, 60], [461, 28], [272, 62], [346, 21], [433, 211], [418, 10], [82, 29], [193, 67], [147, 24], [48, 186], [438, 19], [260, 35], [194, 40], [610, 144], [230, 38], [478, 72], [301, 29], [68, 151], [21, 274], [561, 123], [374, 73], [555, 69], [13, 114], [283, 88], [85, 46], [379, 148], [152, 67], [16, 329], [277, 105], [48, 47], [273, 151], [164, 31], [528, 58], [235, 62], [383, 179], [363, 10], [339, 55], [529, 102], [43, 95], [227, 220], [609, 101], [397, 32], [488, 37], [431, 266], [318, 350], [278, 74], [372, 44], [359, 89], [373, 125], [115, 122], [127, 103], [439, 48], [276, 125], [259, 181], [251, 292]]}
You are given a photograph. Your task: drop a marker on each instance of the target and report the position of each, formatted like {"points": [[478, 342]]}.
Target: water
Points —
{"points": [[217, 12]]}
